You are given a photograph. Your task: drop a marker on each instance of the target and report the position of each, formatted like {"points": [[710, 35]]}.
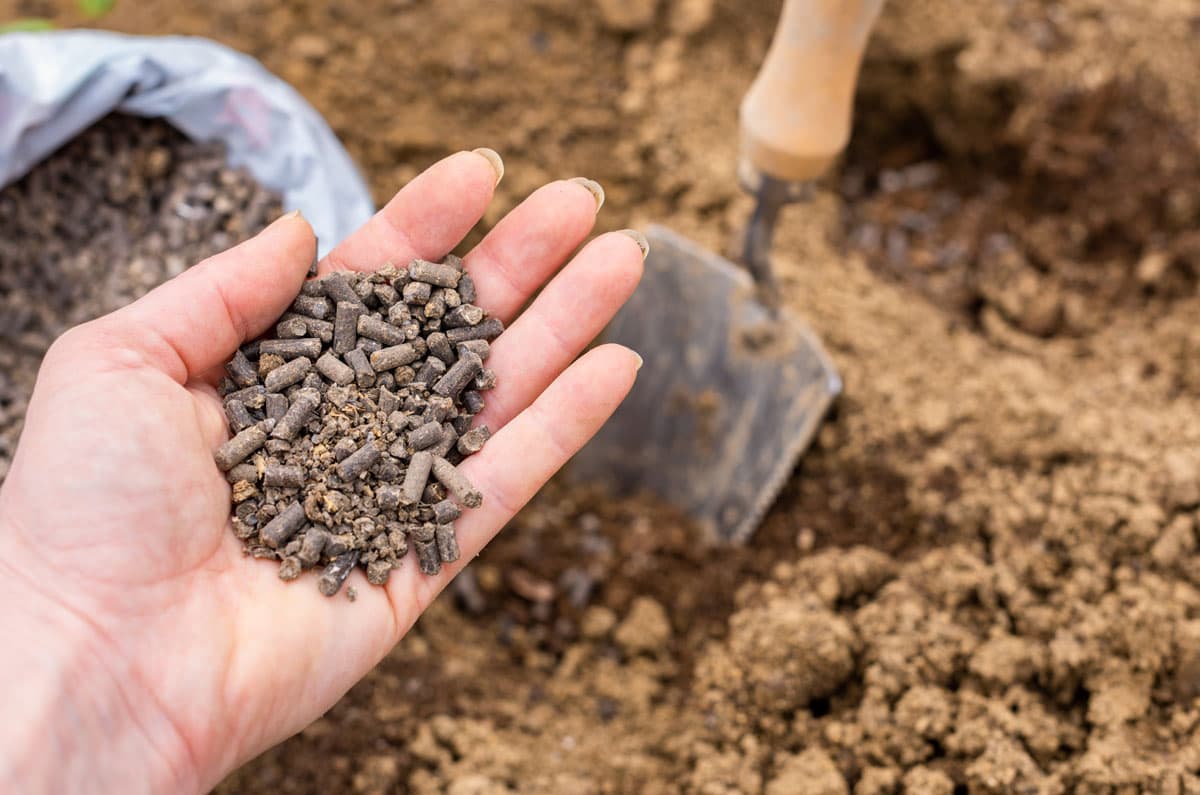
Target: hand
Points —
{"points": [[144, 649]]}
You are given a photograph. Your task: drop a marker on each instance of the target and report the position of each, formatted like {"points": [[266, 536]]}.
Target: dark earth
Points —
{"points": [[984, 577]]}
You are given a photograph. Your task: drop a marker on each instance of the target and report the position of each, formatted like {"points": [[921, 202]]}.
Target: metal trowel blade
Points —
{"points": [[727, 400]]}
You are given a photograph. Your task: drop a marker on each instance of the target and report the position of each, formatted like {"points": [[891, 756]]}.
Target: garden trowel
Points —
{"points": [[733, 386]]}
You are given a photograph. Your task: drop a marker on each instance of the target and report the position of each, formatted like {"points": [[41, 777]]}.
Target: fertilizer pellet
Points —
{"points": [[242, 445], [447, 543], [368, 419], [336, 572]]}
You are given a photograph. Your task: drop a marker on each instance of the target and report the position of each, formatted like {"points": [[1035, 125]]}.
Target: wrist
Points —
{"points": [[76, 716]]}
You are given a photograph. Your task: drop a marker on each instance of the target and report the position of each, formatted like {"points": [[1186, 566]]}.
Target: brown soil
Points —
{"points": [[984, 577]]}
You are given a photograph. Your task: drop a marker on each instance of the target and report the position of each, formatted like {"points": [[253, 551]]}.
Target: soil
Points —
{"points": [[349, 423], [984, 577], [126, 205]]}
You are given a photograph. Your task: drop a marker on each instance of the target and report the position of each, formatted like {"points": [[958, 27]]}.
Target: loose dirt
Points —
{"points": [[984, 577]]}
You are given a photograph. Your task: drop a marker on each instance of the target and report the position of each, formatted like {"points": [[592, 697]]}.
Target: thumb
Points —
{"points": [[191, 324]]}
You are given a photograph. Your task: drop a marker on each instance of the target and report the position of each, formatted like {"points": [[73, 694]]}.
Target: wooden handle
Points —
{"points": [[796, 116]]}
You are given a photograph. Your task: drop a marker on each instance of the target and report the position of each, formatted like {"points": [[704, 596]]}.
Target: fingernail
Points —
{"points": [[593, 188], [292, 214], [494, 158], [638, 356], [640, 239]]}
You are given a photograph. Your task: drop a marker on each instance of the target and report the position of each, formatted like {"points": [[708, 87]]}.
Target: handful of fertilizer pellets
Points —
{"points": [[349, 425]]}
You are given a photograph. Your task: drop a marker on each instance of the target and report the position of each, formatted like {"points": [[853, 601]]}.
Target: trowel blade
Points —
{"points": [[726, 402]]}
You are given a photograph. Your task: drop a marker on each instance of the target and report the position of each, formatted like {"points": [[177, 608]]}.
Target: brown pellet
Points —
{"points": [[487, 330], [298, 414], [458, 376], [440, 347], [345, 326], [434, 273], [321, 329], [399, 314], [284, 526], [238, 415], [311, 547], [456, 482], [438, 408], [424, 541], [268, 362], [338, 289], [394, 356], [431, 371], [435, 307], [385, 295], [466, 289], [364, 374], [426, 435], [463, 315], [473, 401], [336, 573], [447, 543], [416, 477], [335, 369], [293, 372], [290, 349], [242, 370], [292, 328], [446, 511], [243, 445], [276, 406], [311, 306], [473, 440], [388, 402], [481, 348], [381, 331], [417, 293], [252, 396], [286, 477], [447, 442], [358, 462], [242, 471], [313, 287]]}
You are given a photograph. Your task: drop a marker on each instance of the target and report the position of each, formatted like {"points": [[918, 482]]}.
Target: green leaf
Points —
{"points": [[96, 8], [27, 25]]}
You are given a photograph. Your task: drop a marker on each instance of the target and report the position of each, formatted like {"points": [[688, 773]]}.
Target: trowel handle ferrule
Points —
{"points": [[796, 116]]}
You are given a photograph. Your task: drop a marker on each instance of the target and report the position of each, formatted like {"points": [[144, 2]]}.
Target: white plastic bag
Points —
{"points": [[54, 85]]}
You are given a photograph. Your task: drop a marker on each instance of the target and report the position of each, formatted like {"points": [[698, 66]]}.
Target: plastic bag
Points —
{"points": [[55, 85]]}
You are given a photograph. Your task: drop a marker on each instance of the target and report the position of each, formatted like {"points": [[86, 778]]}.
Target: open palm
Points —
{"points": [[116, 520]]}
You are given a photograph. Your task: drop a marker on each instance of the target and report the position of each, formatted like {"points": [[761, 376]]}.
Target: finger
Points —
{"points": [[426, 219], [532, 242], [519, 459], [210, 414], [563, 319], [193, 323]]}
